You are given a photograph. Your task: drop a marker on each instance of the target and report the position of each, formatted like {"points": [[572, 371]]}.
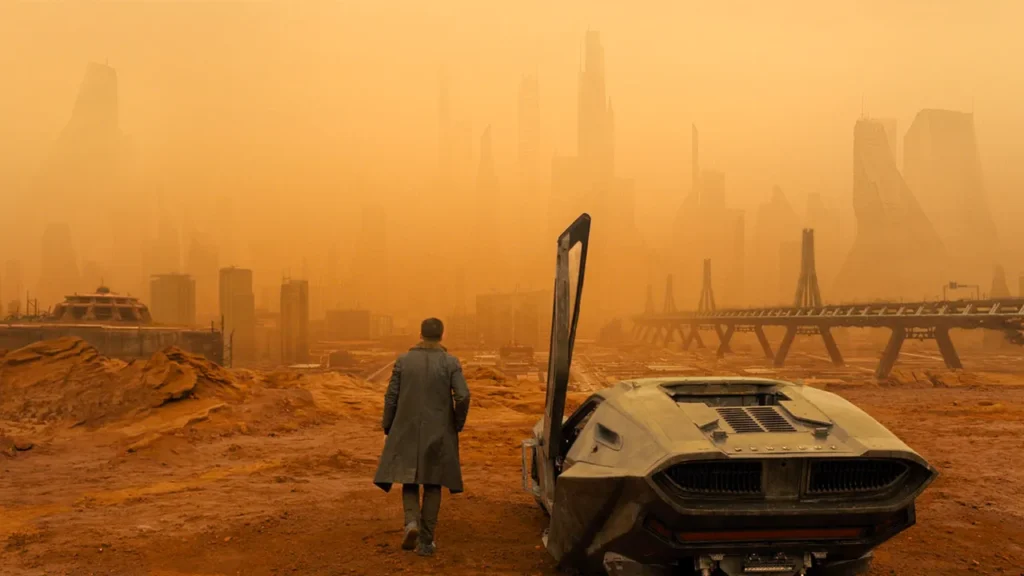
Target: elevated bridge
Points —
{"points": [[808, 316]]}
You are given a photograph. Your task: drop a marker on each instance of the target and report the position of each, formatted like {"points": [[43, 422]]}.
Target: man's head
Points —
{"points": [[431, 329]]}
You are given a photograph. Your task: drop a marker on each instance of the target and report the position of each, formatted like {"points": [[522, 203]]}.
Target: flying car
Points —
{"points": [[709, 476]]}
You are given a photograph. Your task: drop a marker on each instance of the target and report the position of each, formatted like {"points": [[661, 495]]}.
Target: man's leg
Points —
{"points": [[411, 505], [431, 507]]}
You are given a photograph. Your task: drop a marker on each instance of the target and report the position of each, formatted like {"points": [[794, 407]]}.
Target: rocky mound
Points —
{"points": [[65, 387], [68, 381]]}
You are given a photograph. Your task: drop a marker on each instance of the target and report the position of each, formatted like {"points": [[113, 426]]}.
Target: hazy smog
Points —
{"points": [[405, 157]]}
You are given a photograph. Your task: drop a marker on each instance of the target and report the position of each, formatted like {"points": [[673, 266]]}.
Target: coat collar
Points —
{"points": [[429, 345]]}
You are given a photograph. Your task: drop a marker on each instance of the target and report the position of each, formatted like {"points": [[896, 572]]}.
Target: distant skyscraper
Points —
{"points": [[891, 127], [295, 322], [596, 121], [942, 167], [897, 253], [238, 309], [173, 299]]}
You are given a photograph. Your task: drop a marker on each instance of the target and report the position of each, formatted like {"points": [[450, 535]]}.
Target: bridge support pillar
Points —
{"points": [[765, 345], [947, 349], [892, 352], [678, 330], [724, 338], [693, 336], [830, 345], [787, 342]]}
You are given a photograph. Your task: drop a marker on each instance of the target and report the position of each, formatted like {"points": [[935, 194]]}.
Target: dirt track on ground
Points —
{"points": [[269, 474]]}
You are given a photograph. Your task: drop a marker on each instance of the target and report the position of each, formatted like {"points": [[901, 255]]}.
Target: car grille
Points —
{"points": [[853, 476], [716, 477]]}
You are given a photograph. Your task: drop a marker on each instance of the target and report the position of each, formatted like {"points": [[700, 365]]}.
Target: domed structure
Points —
{"points": [[103, 306]]}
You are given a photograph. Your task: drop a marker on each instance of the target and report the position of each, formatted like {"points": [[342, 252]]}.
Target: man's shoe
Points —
{"points": [[425, 549], [412, 534]]}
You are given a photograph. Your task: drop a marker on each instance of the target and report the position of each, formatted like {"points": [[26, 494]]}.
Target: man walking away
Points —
{"points": [[425, 408]]}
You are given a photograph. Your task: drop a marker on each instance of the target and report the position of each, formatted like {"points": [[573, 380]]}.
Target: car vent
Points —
{"points": [[851, 476], [755, 419], [739, 419], [770, 419], [717, 477]]}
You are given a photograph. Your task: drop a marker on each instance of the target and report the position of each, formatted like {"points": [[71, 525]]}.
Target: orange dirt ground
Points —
{"points": [[175, 467]]}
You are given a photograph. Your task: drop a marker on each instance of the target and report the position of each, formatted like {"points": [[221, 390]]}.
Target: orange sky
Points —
{"points": [[300, 112]]}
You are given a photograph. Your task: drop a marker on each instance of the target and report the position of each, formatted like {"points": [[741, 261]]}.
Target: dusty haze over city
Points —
{"points": [[312, 140]]}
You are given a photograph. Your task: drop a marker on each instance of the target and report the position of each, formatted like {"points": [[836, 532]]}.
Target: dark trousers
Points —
{"points": [[425, 516]]}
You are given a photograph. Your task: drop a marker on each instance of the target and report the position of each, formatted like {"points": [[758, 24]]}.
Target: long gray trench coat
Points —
{"points": [[425, 408]]}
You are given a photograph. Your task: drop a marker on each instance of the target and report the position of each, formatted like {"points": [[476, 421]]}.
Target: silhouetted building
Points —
{"points": [[295, 322], [705, 228], [349, 325], [943, 169], [103, 307], [381, 326], [896, 253], [596, 128], [238, 310], [519, 317], [173, 299], [588, 182], [777, 227]]}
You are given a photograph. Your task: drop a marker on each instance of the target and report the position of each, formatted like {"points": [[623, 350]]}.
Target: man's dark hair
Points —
{"points": [[431, 329]]}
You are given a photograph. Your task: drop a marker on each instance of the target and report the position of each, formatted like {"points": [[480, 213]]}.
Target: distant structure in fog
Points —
{"points": [[588, 182], [349, 325], [828, 235], [173, 299], [776, 229], [295, 322], [59, 266], [238, 309], [705, 228], [90, 181], [519, 317], [942, 167], [487, 268], [897, 253]]}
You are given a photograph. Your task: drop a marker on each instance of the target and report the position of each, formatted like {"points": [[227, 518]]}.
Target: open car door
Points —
{"points": [[570, 266]]}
